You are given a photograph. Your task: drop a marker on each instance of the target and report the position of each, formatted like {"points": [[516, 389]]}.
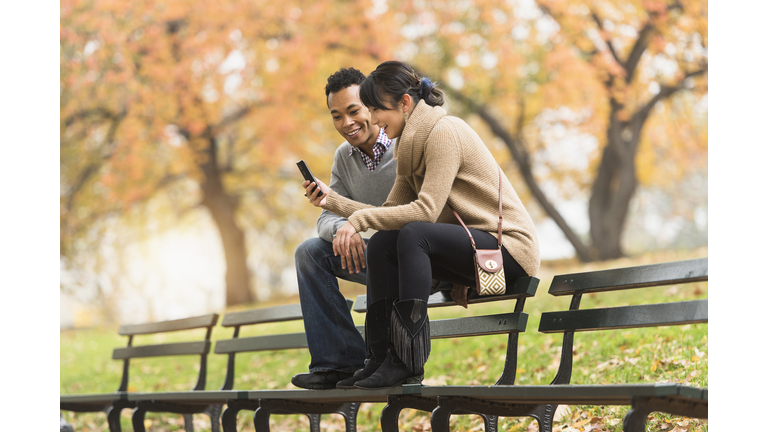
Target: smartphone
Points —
{"points": [[308, 175]]}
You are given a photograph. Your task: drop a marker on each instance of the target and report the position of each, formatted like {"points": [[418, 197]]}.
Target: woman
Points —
{"points": [[441, 164]]}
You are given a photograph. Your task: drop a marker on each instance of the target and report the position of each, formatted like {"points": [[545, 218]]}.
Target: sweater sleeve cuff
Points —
{"points": [[357, 221]]}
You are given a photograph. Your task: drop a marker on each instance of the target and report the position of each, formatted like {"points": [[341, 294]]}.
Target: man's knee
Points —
{"points": [[313, 249]]}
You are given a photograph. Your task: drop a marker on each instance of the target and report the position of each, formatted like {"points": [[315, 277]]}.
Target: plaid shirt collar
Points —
{"points": [[379, 148]]}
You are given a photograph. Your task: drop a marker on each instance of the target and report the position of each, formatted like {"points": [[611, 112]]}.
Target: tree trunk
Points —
{"points": [[223, 208], [614, 187]]}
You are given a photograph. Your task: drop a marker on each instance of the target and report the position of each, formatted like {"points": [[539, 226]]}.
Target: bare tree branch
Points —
{"points": [[608, 42], [235, 116], [99, 112], [641, 43], [666, 92], [93, 168]]}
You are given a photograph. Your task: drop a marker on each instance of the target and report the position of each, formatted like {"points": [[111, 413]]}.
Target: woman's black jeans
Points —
{"points": [[402, 263]]}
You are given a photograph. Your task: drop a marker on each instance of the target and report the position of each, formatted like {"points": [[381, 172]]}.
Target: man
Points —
{"points": [[363, 170]]}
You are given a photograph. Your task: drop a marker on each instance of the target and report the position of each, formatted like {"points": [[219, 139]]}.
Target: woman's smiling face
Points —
{"points": [[392, 119]]}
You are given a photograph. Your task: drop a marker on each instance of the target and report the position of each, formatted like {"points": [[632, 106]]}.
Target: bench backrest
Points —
{"points": [[510, 323], [648, 315], [238, 344], [197, 347]]}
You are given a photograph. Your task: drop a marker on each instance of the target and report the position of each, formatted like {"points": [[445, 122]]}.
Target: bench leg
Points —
{"points": [[188, 425], [137, 419], [636, 418], [349, 412], [446, 406], [261, 419], [229, 419], [441, 418], [113, 418], [312, 410], [491, 422], [214, 413], [314, 422], [390, 415], [396, 403], [264, 411]]}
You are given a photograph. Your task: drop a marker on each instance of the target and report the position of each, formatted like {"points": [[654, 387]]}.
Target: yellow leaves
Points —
{"points": [[654, 6]]}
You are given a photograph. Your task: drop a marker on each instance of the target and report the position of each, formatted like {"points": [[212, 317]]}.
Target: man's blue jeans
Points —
{"points": [[334, 342]]}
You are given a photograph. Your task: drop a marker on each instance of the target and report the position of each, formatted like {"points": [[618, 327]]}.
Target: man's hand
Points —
{"points": [[357, 252], [459, 294], [343, 242], [312, 196]]}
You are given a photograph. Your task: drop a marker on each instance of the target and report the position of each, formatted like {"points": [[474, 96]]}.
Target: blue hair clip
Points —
{"points": [[426, 84]]}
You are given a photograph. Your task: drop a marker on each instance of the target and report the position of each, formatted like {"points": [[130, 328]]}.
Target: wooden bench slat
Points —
{"points": [[631, 277], [96, 398], [523, 287], [261, 343], [456, 327], [478, 325], [330, 395], [289, 312], [603, 394], [162, 350], [335, 395], [693, 393], [168, 326], [273, 314], [662, 314]]}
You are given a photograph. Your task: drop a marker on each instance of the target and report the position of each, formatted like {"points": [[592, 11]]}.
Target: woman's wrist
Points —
{"points": [[356, 221]]}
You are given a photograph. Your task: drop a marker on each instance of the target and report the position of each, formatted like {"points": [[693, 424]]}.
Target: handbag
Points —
{"points": [[489, 263]]}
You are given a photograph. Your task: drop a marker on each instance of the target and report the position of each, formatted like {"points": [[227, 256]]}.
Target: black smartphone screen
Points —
{"points": [[307, 174]]}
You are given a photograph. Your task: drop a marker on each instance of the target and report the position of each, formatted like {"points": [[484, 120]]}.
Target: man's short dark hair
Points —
{"points": [[342, 79]]}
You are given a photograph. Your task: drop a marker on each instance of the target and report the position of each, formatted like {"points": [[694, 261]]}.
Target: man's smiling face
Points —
{"points": [[351, 118]]}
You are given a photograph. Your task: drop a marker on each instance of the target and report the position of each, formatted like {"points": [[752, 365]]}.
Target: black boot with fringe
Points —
{"points": [[409, 347]]}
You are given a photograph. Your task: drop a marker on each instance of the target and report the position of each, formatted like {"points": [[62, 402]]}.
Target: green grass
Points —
{"points": [[664, 354]]}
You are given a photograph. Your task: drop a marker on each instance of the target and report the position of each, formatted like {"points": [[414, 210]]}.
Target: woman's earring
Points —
{"points": [[405, 116]]}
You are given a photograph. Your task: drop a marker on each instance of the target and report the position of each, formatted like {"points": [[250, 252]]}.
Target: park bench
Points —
{"points": [[238, 400], [314, 403], [347, 401], [113, 403], [540, 401], [242, 400]]}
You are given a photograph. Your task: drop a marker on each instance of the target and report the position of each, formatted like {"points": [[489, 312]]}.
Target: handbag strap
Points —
{"points": [[471, 239]]}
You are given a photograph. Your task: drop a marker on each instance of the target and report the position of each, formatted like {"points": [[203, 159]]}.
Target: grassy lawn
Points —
{"points": [[664, 354]]}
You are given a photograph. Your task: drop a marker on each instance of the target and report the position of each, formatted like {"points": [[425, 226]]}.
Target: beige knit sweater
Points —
{"points": [[442, 162]]}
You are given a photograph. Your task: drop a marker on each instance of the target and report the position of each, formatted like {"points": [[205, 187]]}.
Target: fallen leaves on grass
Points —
{"points": [[610, 419]]}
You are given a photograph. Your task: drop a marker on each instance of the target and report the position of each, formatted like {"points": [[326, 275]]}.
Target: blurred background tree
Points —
{"points": [[542, 75], [171, 111], [167, 107]]}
